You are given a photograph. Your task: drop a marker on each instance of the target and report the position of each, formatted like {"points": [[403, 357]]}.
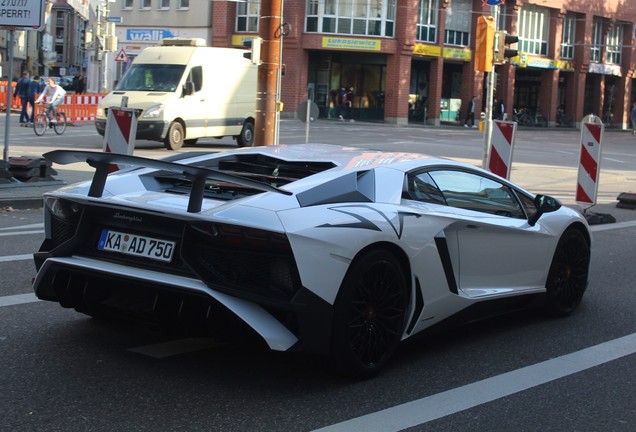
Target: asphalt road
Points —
{"points": [[61, 371]]}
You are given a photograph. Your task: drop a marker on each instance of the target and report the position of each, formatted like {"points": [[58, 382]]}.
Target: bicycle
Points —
{"points": [[41, 122], [523, 117]]}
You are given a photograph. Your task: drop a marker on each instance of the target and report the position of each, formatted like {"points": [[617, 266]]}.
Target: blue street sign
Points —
{"points": [[114, 19]]}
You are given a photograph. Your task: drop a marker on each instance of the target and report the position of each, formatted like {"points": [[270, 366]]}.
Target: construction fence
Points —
{"points": [[78, 108]]}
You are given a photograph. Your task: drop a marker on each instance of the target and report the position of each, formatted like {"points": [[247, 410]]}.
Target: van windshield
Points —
{"points": [[152, 77]]}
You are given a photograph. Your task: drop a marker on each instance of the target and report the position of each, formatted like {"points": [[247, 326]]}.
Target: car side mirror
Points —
{"points": [[544, 204], [188, 88]]}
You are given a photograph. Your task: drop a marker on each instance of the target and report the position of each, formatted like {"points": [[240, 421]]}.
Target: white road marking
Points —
{"points": [[614, 160], [10, 258], [35, 225], [176, 347], [617, 225], [5, 234], [443, 404], [18, 299]]}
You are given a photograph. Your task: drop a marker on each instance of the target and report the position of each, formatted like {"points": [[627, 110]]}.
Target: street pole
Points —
{"points": [[7, 124], [489, 99], [265, 125], [279, 76]]}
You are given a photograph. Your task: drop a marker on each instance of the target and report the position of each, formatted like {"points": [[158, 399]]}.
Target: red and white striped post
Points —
{"points": [[592, 129], [502, 144], [121, 129]]}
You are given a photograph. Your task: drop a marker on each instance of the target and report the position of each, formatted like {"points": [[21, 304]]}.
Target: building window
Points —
{"points": [[145, 4], [427, 21], [614, 43], [164, 4], [355, 17], [568, 36], [501, 22], [183, 4], [247, 14], [597, 41], [458, 17], [127, 4], [534, 24]]}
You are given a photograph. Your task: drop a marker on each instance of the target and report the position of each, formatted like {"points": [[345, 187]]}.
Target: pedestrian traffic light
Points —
{"points": [[282, 69], [484, 44], [503, 39], [254, 45]]}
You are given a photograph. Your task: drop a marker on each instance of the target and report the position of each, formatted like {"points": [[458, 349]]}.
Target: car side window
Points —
{"points": [[421, 187], [478, 193]]}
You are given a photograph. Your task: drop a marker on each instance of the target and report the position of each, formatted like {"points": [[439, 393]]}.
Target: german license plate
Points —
{"points": [[132, 244]]}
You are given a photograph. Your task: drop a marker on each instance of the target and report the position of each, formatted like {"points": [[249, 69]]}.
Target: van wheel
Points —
{"points": [[246, 138], [174, 139]]}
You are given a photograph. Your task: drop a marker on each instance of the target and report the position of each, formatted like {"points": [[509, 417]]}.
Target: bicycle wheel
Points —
{"points": [[60, 125], [526, 120], [40, 123]]}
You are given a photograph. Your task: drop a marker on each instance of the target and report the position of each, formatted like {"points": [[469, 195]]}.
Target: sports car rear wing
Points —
{"points": [[197, 175]]}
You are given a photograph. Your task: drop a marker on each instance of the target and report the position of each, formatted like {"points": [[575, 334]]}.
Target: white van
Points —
{"points": [[185, 91]]}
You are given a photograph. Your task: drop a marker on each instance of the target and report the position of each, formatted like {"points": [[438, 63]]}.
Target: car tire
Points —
{"points": [[369, 314], [175, 136], [246, 138], [567, 278]]}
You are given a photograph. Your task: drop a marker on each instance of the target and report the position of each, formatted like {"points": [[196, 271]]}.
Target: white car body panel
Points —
{"points": [[276, 253]]}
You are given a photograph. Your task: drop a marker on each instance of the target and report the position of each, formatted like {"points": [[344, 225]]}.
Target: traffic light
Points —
{"points": [[282, 69], [503, 39], [484, 44], [254, 45]]}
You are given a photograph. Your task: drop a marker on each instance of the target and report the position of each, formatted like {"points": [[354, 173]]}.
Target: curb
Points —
{"points": [[22, 203]]}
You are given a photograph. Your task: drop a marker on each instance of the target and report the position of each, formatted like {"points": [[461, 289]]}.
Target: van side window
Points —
{"points": [[196, 76]]}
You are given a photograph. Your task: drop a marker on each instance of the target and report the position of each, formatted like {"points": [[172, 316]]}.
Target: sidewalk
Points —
{"points": [[554, 181], [20, 196]]}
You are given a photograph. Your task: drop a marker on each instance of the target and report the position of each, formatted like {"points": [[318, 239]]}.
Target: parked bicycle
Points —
{"points": [[523, 117], [41, 122]]}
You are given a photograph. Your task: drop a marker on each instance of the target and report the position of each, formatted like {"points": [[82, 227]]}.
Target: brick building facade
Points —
{"points": [[401, 76]]}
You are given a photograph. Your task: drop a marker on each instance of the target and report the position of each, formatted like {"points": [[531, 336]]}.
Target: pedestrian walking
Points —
{"points": [[633, 118], [471, 112], [21, 90], [342, 103], [78, 84], [33, 89], [350, 98]]}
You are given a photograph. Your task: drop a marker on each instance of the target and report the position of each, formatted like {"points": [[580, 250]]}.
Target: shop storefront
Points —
{"points": [[365, 72]]}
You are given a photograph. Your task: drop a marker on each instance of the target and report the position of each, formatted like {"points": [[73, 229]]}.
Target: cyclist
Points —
{"points": [[56, 96]]}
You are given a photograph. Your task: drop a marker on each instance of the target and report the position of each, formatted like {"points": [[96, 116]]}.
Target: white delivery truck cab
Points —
{"points": [[185, 91]]}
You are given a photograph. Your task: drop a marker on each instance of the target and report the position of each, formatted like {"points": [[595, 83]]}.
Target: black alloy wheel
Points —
{"points": [[567, 279], [369, 314]]}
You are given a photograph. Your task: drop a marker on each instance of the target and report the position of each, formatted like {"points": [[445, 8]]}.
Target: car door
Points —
{"points": [[498, 251]]}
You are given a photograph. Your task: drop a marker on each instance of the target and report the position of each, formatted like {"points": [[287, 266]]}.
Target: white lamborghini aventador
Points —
{"points": [[334, 250]]}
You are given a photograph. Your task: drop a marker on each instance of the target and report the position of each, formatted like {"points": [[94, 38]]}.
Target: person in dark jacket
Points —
{"points": [[22, 90], [34, 88], [79, 85]]}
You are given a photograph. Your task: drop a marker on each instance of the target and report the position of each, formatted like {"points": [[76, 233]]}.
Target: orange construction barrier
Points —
{"points": [[78, 108], [16, 103]]}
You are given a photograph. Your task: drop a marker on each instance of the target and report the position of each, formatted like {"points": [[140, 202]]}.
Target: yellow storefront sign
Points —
{"points": [[238, 39], [448, 53], [349, 43]]}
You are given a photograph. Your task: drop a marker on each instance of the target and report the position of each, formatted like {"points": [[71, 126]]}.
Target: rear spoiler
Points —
{"points": [[102, 161]]}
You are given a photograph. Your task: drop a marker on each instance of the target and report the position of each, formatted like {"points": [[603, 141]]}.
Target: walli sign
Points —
{"points": [[147, 34]]}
